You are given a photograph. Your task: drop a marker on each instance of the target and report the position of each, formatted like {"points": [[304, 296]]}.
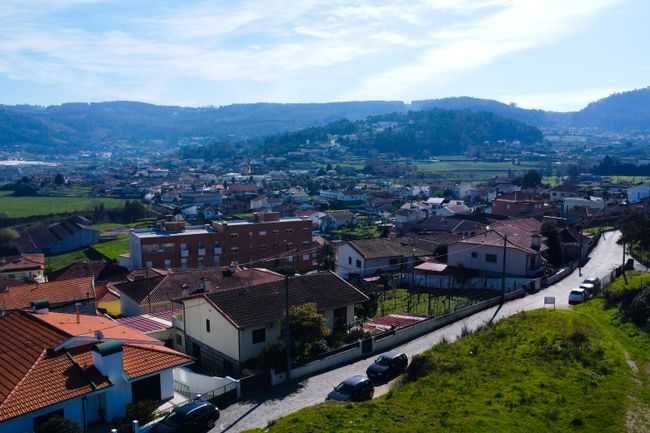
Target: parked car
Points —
{"points": [[195, 416], [595, 281], [355, 388], [577, 296], [387, 366], [589, 288]]}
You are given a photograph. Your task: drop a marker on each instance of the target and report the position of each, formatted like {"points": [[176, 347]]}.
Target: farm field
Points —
{"points": [[22, 207]]}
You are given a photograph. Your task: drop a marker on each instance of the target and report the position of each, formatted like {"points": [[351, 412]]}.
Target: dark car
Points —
{"points": [[196, 416], [355, 388], [387, 366]]}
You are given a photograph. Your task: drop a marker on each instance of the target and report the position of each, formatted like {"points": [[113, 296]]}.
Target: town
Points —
{"points": [[324, 217]]}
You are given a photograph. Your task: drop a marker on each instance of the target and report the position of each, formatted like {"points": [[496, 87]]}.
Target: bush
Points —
{"points": [[143, 411], [58, 424], [420, 366], [638, 311], [273, 357]]}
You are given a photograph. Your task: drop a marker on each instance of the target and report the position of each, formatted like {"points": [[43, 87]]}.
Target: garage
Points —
{"points": [[146, 389]]}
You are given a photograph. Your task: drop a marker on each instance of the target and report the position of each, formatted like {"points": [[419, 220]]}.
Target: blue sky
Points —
{"points": [[554, 54]]}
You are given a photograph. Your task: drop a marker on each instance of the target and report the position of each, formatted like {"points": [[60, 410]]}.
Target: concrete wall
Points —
{"points": [[390, 339], [433, 281]]}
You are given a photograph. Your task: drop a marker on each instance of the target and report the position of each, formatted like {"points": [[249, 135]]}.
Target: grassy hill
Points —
{"points": [[540, 371], [22, 207]]}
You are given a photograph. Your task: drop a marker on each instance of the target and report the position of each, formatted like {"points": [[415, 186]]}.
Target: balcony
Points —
{"points": [[201, 251], [185, 253], [217, 250]]}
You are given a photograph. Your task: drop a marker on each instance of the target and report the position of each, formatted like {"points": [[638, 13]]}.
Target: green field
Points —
{"points": [[628, 179], [21, 207], [114, 248], [110, 250], [540, 371]]}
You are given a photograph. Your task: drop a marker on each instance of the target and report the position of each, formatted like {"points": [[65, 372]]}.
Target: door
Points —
{"points": [[146, 389]]}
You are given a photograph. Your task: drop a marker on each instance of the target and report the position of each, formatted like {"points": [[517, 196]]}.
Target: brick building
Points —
{"points": [[518, 204], [177, 246]]}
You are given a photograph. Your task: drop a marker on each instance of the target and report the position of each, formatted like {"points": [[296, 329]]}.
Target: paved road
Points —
{"points": [[605, 257]]}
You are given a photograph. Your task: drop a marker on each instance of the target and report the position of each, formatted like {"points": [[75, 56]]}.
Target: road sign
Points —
{"points": [[549, 300]]}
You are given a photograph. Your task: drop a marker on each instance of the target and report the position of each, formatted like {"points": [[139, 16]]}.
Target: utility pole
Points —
{"points": [[503, 270], [580, 252], [287, 325]]}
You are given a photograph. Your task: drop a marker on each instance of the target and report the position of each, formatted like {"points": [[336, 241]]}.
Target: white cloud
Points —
{"points": [[414, 46]]}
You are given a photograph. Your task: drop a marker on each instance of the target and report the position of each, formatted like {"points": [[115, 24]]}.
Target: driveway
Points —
{"points": [[285, 400]]}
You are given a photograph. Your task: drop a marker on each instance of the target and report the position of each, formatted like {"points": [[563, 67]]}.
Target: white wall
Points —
{"points": [[223, 335], [167, 383], [343, 267], [135, 250], [72, 410], [461, 254], [250, 350]]}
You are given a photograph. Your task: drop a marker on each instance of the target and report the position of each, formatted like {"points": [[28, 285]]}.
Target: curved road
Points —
{"points": [[284, 400]]}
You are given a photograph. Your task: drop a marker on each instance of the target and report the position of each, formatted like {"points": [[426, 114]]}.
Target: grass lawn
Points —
{"points": [[590, 231], [458, 168], [60, 261], [536, 372], [114, 248], [21, 207], [635, 280], [103, 227]]}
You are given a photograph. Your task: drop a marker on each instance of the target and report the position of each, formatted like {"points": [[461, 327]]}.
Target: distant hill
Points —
{"points": [[434, 132], [77, 126], [627, 111], [92, 126]]}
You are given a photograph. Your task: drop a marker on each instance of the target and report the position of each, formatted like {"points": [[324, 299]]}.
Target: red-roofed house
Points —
{"points": [[24, 267], [62, 296], [86, 369]]}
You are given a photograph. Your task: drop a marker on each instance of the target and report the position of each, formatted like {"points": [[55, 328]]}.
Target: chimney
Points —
{"points": [[41, 306], [108, 360]]}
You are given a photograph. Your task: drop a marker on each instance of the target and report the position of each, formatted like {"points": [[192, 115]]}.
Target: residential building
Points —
{"points": [[177, 246], [75, 294], [23, 267], [571, 203], [227, 328], [485, 251], [518, 204], [638, 193], [366, 257], [156, 291], [86, 369]]}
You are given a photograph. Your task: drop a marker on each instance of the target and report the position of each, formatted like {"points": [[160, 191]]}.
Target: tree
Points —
{"points": [[59, 180], [635, 229], [552, 235], [7, 236], [532, 179], [308, 331], [134, 210], [58, 424]]}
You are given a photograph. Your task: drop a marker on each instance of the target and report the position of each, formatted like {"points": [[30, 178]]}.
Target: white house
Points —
{"points": [[227, 328], [86, 369], [484, 253], [570, 203], [638, 193], [367, 257]]}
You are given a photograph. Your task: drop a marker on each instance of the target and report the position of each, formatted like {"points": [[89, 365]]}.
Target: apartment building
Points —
{"points": [[174, 245]]}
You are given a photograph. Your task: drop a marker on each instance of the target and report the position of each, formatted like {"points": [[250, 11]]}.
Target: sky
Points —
{"points": [[551, 54]]}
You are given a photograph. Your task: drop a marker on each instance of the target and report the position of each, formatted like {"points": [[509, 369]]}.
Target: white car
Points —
{"points": [[589, 288], [577, 296]]}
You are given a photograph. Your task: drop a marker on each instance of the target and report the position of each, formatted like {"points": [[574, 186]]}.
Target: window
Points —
{"points": [[393, 261], [306, 257], [259, 336], [289, 230], [349, 260], [262, 233], [184, 263], [169, 245], [358, 263], [149, 264], [290, 259], [179, 340], [207, 325], [491, 258], [168, 263], [474, 255], [234, 249], [183, 246], [234, 235]]}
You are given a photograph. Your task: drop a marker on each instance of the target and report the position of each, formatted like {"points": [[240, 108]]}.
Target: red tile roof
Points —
{"points": [[56, 292], [33, 375], [23, 262]]}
